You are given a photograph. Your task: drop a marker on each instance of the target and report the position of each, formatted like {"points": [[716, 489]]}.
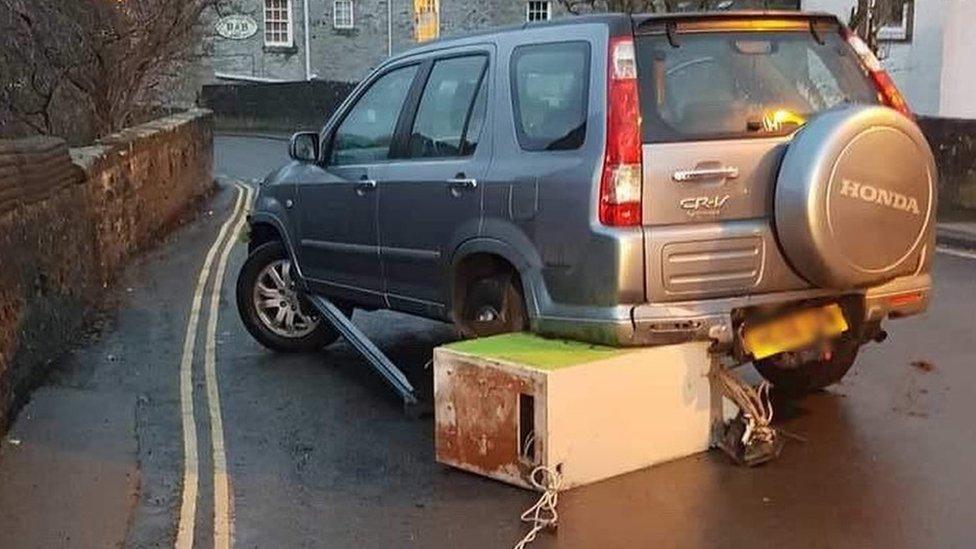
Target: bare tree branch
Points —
{"points": [[118, 53]]}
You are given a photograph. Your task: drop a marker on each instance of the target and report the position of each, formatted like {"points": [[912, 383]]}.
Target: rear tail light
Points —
{"points": [[900, 300], [887, 90], [620, 184]]}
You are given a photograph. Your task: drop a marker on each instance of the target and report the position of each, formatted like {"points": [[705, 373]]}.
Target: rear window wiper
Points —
{"points": [[670, 29], [816, 33]]}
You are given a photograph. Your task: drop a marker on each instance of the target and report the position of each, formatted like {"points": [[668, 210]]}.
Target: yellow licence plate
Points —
{"points": [[794, 331]]}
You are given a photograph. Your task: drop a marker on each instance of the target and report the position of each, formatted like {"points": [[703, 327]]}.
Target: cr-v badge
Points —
{"points": [[704, 205]]}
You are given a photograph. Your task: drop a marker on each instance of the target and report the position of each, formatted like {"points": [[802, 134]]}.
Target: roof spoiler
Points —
{"points": [[672, 23]]}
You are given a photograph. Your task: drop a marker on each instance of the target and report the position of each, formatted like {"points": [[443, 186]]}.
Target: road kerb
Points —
{"points": [[956, 253]]}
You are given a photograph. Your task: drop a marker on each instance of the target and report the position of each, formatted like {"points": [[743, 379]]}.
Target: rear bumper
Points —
{"points": [[711, 319]]}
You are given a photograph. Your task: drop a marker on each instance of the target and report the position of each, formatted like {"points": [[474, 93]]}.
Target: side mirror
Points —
{"points": [[304, 147]]}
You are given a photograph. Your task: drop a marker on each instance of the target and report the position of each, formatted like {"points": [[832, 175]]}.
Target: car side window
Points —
{"points": [[473, 134], [550, 87], [366, 133], [442, 127]]}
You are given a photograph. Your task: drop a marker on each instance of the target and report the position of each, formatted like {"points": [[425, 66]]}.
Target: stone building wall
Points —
{"points": [[347, 55]]}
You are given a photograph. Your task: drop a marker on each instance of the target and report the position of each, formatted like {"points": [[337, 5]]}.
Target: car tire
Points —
{"points": [[493, 304], [302, 336], [810, 376]]}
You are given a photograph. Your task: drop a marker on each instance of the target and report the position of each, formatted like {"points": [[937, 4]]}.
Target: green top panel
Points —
{"points": [[532, 350]]}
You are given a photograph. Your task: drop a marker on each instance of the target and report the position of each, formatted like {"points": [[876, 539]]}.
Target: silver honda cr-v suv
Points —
{"points": [[754, 179]]}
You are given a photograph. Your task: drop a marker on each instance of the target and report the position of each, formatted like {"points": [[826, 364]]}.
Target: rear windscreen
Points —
{"points": [[715, 85]]}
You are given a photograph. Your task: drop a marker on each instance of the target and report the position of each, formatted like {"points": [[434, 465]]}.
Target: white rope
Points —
{"points": [[543, 514], [527, 445]]}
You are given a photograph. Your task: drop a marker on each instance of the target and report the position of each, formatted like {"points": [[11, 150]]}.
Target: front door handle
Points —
{"points": [[698, 174], [365, 186]]}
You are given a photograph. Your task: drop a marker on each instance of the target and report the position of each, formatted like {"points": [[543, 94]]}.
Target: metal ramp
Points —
{"points": [[379, 361]]}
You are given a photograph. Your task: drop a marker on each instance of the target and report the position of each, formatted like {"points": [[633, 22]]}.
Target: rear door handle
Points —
{"points": [[698, 174], [365, 186], [462, 183]]}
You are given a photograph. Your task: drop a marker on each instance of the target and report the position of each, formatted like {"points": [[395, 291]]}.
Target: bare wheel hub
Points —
{"points": [[277, 303], [487, 314]]}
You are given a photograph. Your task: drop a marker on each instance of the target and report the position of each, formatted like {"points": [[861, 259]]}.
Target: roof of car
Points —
{"points": [[636, 20], [461, 39]]}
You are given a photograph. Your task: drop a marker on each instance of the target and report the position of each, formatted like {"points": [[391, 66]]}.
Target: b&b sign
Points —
{"points": [[236, 27]]}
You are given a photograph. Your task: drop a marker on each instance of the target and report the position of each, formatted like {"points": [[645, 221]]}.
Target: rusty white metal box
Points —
{"points": [[504, 405]]}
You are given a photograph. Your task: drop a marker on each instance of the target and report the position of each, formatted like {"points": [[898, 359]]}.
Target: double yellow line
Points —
{"points": [[219, 250]]}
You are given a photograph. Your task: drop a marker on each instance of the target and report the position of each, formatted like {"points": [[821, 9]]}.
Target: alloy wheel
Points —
{"points": [[278, 304]]}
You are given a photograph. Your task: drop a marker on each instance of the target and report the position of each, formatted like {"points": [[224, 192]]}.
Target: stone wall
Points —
{"points": [[954, 143], [277, 107], [69, 219]]}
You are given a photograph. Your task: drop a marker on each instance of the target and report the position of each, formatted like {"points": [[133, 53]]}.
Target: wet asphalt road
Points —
{"points": [[320, 454]]}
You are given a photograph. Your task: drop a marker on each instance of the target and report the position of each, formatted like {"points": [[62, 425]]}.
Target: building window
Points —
{"points": [[538, 10], [277, 23], [895, 20], [342, 14], [427, 19]]}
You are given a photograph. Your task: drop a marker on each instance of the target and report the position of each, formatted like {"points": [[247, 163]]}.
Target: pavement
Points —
{"points": [[957, 233], [320, 454]]}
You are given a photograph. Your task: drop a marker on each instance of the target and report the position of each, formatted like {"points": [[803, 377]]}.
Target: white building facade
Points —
{"points": [[929, 48]]}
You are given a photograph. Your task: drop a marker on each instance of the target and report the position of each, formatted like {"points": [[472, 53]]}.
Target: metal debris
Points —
{"points": [[748, 439]]}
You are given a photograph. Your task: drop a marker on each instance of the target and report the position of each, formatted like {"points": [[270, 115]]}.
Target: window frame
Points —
{"points": [[335, 15], [289, 22], [402, 140], [529, 11], [325, 153], [901, 32], [520, 135]]}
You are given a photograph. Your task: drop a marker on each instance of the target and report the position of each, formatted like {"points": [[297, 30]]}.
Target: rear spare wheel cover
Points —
{"points": [[855, 196]]}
